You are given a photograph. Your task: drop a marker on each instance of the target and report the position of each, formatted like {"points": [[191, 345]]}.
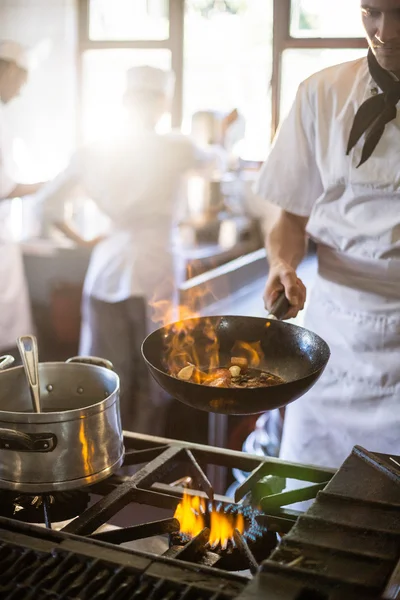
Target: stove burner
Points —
{"points": [[62, 506], [243, 550]]}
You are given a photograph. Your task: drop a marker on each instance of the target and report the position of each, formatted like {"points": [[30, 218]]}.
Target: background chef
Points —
{"points": [[137, 181], [15, 314]]}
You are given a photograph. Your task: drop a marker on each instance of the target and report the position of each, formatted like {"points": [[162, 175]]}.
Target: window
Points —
{"points": [[228, 65], [104, 76], [323, 19], [128, 20], [310, 35], [244, 54], [115, 35]]}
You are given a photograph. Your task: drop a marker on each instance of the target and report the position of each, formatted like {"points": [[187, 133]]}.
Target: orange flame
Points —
{"points": [[180, 349], [222, 527], [190, 514], [252, 352]]}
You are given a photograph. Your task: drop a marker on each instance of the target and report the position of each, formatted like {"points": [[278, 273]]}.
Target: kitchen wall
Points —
{"points": [[42, 120]]}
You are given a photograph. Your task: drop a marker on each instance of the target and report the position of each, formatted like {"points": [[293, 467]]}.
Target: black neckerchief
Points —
{"points": [[374, 114]]}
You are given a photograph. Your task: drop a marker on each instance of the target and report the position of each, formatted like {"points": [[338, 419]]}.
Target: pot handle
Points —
{"points": [[92, 360], [10, 439], [6, 361]]}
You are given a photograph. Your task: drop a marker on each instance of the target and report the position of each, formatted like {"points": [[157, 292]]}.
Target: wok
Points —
{"points": [[293, 353]]}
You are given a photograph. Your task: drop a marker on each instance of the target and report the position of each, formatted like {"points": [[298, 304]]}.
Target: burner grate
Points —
{"points": [[347, 544], [62, 506], [167, 457]]}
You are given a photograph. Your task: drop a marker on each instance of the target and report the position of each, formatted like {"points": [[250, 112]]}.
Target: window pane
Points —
{"points": [[128, 20], [104, 77], [228, 63], [326, 18], [298, 64]]}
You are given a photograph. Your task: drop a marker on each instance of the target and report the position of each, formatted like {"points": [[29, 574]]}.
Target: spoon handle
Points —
{"points": [[27, 346]]}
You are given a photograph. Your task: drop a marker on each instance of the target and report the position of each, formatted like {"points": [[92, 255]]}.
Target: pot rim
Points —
{"points": [[30, 417]]}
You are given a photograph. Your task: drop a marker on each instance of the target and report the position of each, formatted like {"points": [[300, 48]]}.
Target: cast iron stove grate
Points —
{"points": [[347, 545], [148, 485], [158, 461], [62, 506]]}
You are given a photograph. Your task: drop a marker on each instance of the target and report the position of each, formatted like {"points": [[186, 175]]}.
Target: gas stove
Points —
{"points": [[119, 539]]}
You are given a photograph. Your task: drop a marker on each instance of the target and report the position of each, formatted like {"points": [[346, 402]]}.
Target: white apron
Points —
{"points": [[15, 313], [355, 306]]}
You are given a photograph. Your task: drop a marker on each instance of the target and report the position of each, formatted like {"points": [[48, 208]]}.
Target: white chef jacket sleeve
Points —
{"points": [[212, 157], [196, 158], [7, 183], [290, 177], [54, 194]]}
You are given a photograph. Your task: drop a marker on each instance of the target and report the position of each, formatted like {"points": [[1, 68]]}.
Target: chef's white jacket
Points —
{"points": [[354, 217], [138, 182]]}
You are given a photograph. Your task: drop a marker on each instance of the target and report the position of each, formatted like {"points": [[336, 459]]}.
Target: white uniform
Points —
{"points": [[354, 216], [15, 315], [138, 183]]}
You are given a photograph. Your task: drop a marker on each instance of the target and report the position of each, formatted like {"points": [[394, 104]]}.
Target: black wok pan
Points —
{"points": [[295, 354]]}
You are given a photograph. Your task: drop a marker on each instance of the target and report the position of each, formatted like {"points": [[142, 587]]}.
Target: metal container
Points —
{"points": [[75, 441]]}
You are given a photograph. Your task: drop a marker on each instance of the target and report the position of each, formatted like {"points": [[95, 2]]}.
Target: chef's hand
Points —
{"points": [[282, 277], [93, 242]]}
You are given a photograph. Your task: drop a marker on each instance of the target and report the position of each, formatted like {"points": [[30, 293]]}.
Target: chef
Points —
{"points": [[334, 175], [137, 181], [15, 315]]}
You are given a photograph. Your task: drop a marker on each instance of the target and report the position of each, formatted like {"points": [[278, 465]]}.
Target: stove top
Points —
{"points": [[346, 545]]}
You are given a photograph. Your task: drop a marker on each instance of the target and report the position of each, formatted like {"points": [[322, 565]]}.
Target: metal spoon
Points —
{"points": [[27, 346], [28, 349]]}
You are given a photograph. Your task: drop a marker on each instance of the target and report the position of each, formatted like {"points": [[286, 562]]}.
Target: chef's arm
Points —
{"points": [[53, 196], [285, 236], [73, 234], [24, 189], [286, 246]]}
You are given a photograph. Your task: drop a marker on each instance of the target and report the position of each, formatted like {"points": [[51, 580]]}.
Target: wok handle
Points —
{"points": [[92, 360], [280, 308], [10, 439], [6, 361]]}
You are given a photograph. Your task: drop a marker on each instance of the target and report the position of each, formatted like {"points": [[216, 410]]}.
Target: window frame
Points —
{"points": [[282, 40], [174, 43]]}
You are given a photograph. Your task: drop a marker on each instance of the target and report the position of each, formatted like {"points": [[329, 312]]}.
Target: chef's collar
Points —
{"points": [[376, 112]]}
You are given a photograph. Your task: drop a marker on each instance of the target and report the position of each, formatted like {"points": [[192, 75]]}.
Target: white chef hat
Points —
{"points": [[150, 79], [15, 52]]}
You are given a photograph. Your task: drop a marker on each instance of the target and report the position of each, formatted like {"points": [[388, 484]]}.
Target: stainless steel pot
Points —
{"points": [[77, 438]]}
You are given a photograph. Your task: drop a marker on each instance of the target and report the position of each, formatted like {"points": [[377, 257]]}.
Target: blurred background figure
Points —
{"points": [[15, 314], [137, 181]]}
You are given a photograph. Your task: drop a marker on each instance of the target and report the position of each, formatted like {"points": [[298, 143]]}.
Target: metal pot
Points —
{"points": [[77, 438]]}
